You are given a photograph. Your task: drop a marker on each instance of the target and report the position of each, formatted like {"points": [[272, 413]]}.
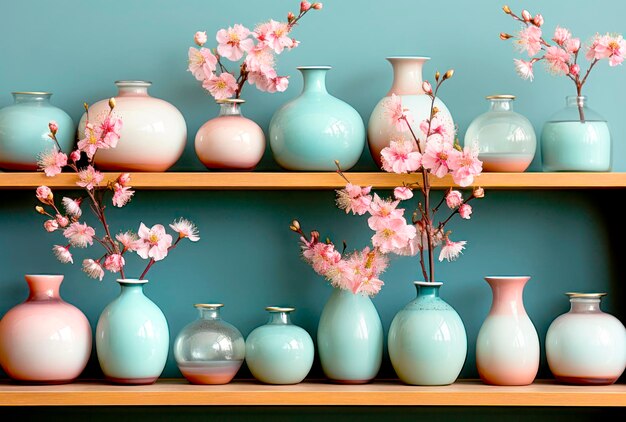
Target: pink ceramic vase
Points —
{"points": [[44, 340], [230, 141]]}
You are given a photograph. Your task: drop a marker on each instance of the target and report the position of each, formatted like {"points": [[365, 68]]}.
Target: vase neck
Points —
{"points": [[279, 316], [31, 97], [576, 101], [407, 75], [209, 313], [132, 88], [427, 290], [132, 286], [230, 107], [585, 303], [314, 79], [44, 287], [508, 295], [500, 103]]}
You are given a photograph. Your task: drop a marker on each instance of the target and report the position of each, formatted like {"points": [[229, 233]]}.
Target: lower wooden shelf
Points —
{"points": [[178, 392]]}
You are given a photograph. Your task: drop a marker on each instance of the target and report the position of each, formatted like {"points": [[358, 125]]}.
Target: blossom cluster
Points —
{"points": [[257, 48]]}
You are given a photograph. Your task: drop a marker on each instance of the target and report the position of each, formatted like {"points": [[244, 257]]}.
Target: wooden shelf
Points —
{"points": [[250, 393], [311, 181]]}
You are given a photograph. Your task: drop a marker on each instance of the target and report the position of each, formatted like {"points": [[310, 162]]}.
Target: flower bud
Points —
{"points": [[315, 235], [504, 36], [62, 220], [86, 106], [317, 6], [40, 209], [290, 17], [448, 74], [296, 224], [479, 192], [574, 70], [437, 75], [75, 155], [526, 16], [435, 110], [304, 6], [427, 87], [506, 9], [538, 20], [52, 125], [124, 179], [200, 38], [50, 225], [111, 103]]}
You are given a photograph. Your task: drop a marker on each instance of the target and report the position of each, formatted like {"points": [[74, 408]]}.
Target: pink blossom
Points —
{"points": [[402, 193], [277, 84], [574, 70], [392, 234], [114, 263], [524, 69], [185, 228], [557, 60], [275, 35], [526, 15], [529, 40], [124, 179], [362, 271], [93, 269], [478, 192], [72, 206], [608, 47], [399, 117], [435, 130], [354, 199], [44, 194], [129, 240], [538, 20], [202, 63], [465, 165], [427, 87], [382, 210], [436, 158], [91, 142], [52, 162], [121, 195], [53, 126], [572, 45], [79, 235], [62, 220], [200, 38], [153, 242], [50, 225], [221, 87], [401, 157], [89, 178], [451, 250], [234, 42], [108, 131], [304, 6], [561, 35], [62, 253], [260, 59], [322, 257], [75, 155], [465, 211], [454, 198]]}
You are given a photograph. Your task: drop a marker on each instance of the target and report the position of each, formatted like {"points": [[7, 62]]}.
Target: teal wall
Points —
{"points": [[247, 258]]}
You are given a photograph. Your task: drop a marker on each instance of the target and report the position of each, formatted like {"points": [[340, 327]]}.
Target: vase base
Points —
{"points": [[210, 376], [44, 382], [351, 382], [586, 380], [133, 381]]}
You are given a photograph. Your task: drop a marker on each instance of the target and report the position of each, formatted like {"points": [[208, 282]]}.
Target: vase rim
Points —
{"points": [[279, 309], [507, 277], [230, 101], [321, 67], [407, 57], [133, 83], [46, 276], [428, 283], [500, 97], [132, 281], [31, 93], [208, 305], [573, 295]]}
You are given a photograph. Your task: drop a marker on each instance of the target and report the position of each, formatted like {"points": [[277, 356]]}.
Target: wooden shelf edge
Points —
{"points": [[250, 393]]}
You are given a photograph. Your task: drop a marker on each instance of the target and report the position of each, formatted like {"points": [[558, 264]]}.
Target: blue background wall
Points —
{"points": [[247, 258]]}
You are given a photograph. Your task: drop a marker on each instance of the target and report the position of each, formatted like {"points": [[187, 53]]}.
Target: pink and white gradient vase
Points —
{"points": [[44, 340], [407, 83], [507, 347]]}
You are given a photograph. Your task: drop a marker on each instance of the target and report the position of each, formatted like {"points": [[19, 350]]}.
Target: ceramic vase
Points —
{"points": [[350, 338], [230, 141], [507, 347], [316, 129], [132, 337], [407, 83], [585, 345], [24, 130], [209, 350], [279, 352], [45, 339], [153, 135]]}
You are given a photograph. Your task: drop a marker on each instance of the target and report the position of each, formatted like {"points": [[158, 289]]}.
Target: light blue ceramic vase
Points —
{"points": [[312, 131], [132, 337], [279, 352], [24, 130], [427, 340], [350, 338]]}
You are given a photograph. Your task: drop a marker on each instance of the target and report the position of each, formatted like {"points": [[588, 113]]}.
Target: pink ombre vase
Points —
{"points": [[44, 340], [507, 347], [230, 141]]}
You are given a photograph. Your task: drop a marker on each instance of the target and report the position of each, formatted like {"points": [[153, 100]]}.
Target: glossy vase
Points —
{"points": [[209, 350], [24, 130], [230, 141], [153, 135], [132, 337], [576, 139], [507, 347], [44, 340], [407, 83], [316, 129], [586, 345], [505, 139], [279, 352], [427, 340], [350, 338]]}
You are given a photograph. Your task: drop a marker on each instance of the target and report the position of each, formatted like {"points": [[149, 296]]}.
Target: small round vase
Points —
{"points": [[209, 350], [44, 340], [24, 130], [585, 345], [505, 139], [350, 338], [154, 132], [279, 352], [576, 139], [316, 129], [507, 347], [230, 141], [427, 340], [407, 83], [132, 337]]}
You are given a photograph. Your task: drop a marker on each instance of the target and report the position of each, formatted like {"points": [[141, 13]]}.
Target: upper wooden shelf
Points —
{"points": [[310, 181], [249, 393]]}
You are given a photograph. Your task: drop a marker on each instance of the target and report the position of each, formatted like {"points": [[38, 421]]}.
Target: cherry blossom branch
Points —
{"points": [[152, 261]]}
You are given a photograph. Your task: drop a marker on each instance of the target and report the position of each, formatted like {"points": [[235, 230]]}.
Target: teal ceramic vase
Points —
{"points": [[24, 130], [576, 139], [427, 340], [279, 352], [350, 338], [312, 131], [132, 337]]}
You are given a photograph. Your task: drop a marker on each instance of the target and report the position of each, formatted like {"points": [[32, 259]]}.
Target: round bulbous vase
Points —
{"points": [[576, 139], [153, 135], [132, 337], [585, 345], [505, 139], [350, 338], [230, 141], [44, 340], [427, 340], [316, 129], [407, 84], [279, 352], [24, 130], [209, 350], [507, 347]]}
